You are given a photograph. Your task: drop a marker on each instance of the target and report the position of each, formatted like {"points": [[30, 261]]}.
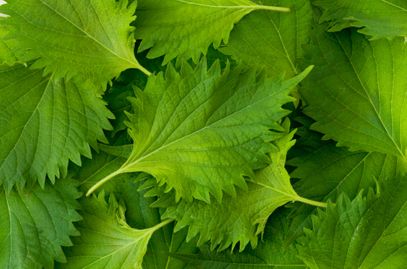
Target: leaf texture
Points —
{"points": [[106, 240], [186, 28], [90, 39], [44, 123], [357, 93], [270, 40], [201, 131], [35, 223], [376, 18], [242, 218], [342, 171], [363, 233]]}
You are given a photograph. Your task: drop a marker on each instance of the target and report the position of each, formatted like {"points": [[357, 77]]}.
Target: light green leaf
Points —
{"points": [[186, 28], [272, 40], [35, 223], [357, 92], [44, 123], [365, 233], [342, 171], [274, 252], [240, 219], [106, 240], [376, 18], [91, 39], [201, 131]]}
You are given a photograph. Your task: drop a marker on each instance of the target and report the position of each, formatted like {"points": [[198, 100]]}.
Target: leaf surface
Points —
{"points": [[44, 123], [272, 40], [363, 233], [106, 240], [35, 224], [357, 93], [342, 171], [242, 218], [187, 28], [90, 39], [201, 131], [376, 18]]}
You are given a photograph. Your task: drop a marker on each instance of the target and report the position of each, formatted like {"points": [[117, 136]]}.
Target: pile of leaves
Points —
{"points": [[203, 134]]}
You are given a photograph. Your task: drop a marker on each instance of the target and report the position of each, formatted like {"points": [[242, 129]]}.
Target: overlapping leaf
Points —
{"points": [[342, 171], [272, 40], [201, 131], [91, 39], [35, 224], [44, 123], [376, 18], [357, 92], [240, 219], [106, 240], [363, 233], [186, 28]]}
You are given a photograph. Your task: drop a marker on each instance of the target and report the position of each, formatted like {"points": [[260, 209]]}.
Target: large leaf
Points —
{"points": [[86, 38], [357, 92], [44, 123], [201, 131], [240, 219], [365, 233], [376, 18], [272, 40], [35, 223], [187, 28], [106, 240]]}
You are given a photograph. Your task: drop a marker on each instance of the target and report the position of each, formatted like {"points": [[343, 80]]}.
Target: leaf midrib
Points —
{"points": [[133, 162]]}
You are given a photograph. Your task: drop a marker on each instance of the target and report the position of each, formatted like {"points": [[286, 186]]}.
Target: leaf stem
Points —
{"points": [[311, 202], [104, 180], [162, 224], [144, 70]]}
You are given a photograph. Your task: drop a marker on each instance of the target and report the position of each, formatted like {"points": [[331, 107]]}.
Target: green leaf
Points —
{"points": [[376, 18], [274, 252], [363, 233], [356, 93], [6, 54], [88, 39], [186, 28], [35, 223], [272, 40], [240, 219], [139, 214], [106, 240], [44, 123], [201, 131], [341, 171]]}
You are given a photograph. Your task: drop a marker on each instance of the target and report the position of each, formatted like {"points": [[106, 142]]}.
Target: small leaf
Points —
{"points": [[186, 28], [35, 223], [201, 131], [106, 240]]}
